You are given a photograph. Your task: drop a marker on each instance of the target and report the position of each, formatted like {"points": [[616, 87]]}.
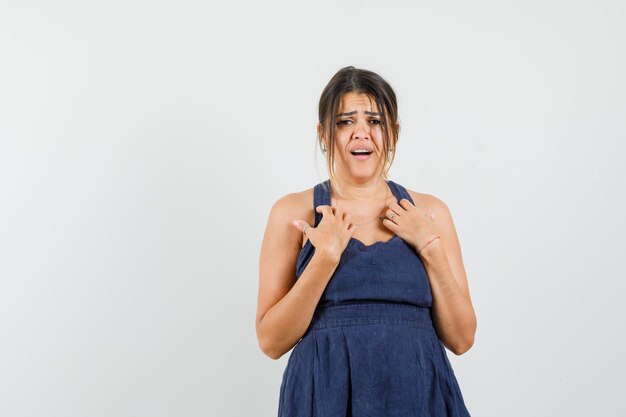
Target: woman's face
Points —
{"points": [[358, 128]]}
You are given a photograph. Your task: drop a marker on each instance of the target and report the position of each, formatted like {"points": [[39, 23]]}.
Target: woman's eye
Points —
{"points": [[347, 122]]}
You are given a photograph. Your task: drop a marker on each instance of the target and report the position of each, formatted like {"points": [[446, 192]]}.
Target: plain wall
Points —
{"points": [[142, 145]]}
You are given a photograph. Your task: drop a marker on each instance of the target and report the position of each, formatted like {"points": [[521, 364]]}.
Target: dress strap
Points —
{"points": [[321, 197], [399, 192]]}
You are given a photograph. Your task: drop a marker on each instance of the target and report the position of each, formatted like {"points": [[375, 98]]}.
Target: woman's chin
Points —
{"points": [[359, 171], [363, 173]]}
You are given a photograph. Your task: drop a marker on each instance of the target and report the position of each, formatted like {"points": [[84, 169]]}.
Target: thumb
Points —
{"points": [[300, 224]]}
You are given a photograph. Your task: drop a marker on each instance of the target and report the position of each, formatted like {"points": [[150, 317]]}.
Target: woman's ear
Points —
{"points": [[321, 135], [320, 129]]}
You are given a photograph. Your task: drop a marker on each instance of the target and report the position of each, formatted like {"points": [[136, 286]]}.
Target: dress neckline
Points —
{"points": [[379, 242], [360, 244]]}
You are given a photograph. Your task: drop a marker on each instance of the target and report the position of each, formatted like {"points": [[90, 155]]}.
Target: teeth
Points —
{"points": [[360, 151]]}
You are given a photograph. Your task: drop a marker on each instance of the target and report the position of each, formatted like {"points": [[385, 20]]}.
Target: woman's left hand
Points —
{"points": [[412, 224]]}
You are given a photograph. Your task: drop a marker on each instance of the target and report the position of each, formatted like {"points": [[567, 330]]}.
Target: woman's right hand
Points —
{"points": [[332, 234]]}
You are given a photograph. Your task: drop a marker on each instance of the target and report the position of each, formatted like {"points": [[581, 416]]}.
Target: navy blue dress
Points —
{"points": [[371, 349]]}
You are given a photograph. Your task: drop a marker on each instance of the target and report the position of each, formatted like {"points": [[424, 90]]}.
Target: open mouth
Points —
{"points": [[361, 155]]}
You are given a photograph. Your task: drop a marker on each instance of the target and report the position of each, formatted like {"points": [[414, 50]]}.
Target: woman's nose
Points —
{"points": [[361, 129]]}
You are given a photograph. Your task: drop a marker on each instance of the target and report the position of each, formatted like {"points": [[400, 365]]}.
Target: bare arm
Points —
{"points": [[286, 305], [453, 314]]}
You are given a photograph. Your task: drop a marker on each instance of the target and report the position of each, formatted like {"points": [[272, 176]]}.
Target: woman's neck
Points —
{"points": [[374, 190]]}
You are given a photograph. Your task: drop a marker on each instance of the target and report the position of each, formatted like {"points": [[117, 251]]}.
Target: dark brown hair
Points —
{"points": [[351, 79]]}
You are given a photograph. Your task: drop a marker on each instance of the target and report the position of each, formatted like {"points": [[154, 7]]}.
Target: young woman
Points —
{"points": [[363, 276]]}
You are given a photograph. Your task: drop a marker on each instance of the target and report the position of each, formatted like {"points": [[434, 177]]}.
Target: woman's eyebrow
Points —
{"points": [[373, 113]]}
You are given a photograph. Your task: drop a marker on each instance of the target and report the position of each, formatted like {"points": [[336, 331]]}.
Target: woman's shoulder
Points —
{"points": [[426, 201], [296, 206], [297, 200], [430, 204]]}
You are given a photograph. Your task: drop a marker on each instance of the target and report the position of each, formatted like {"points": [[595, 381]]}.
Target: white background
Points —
{"points": [[142, 145]]}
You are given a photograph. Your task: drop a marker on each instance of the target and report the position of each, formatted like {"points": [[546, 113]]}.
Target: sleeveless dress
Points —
{"points": [[371, 349]]}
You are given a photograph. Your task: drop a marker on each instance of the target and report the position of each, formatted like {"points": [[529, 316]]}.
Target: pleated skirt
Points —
{"points": [[370, 359]]}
